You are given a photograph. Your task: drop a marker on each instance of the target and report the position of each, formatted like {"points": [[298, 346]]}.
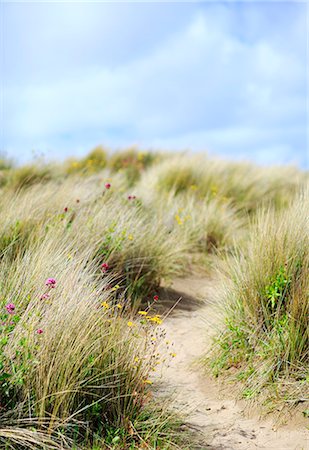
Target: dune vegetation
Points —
{"points": [[84, 247]]}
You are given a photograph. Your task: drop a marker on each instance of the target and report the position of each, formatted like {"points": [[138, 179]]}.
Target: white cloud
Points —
{"points": [[202, 87]]}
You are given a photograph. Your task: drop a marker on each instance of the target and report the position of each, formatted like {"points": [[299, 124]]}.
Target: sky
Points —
{"points": [[229, 78]]}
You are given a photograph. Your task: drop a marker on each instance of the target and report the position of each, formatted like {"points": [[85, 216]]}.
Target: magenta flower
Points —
{"points": [[156, 298], [50, 282], [107, 185], [10, 307], [39, 331], [66, 209], [44, 296], [131, 197], [104, 267]]}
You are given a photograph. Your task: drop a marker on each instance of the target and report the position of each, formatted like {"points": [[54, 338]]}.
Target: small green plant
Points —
{"points": [[278, 290]]}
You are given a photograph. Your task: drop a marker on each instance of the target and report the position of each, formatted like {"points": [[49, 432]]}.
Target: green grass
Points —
{"points": [[266, 336]]}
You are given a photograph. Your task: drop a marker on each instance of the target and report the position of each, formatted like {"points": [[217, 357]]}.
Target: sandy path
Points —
{"points": [[216, 416]]}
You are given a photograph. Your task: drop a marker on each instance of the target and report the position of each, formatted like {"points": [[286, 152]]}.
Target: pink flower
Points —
{"points": [[44, 296], [104, 267], [107, 185], [39, 331], [51, 282], [131, 197], [10, 307], [66, 209], [156, 298]]}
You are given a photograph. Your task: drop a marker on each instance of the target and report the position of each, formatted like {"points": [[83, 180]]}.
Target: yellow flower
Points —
{"points": [[105, 305], [155, 319], [178, 219], [143, 313], [173, 355], [119, 306], [147, 382], [153, 339], [130, 324], [115, 287], [136, 359], [193, 187], [130, 237]]}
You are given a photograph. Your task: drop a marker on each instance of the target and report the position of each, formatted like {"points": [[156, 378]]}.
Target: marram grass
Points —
{"points": [[85, 245], [266, 337]]}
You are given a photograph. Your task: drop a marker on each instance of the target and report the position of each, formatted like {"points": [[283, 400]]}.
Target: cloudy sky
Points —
{"points": [[228, 78]]}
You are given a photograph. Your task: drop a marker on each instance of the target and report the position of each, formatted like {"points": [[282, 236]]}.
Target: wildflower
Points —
{"points": [[136, 359], [178, 219], [155, 319], [155, 298], [130, 324], [105, 305], [147, 382], [39, 331], [173, 355], [44, 296], [131, 197], [51, 282], [66, 209], [130, 237], [104, 267], [119, 306], [107, 185], [142, 313], [116, 287], [10, 307]]}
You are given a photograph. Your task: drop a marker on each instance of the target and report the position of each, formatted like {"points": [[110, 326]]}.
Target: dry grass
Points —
{"points": [[266, 299]]}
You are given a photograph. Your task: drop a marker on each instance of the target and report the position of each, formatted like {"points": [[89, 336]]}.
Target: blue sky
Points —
{"points": [[228, 78]]}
